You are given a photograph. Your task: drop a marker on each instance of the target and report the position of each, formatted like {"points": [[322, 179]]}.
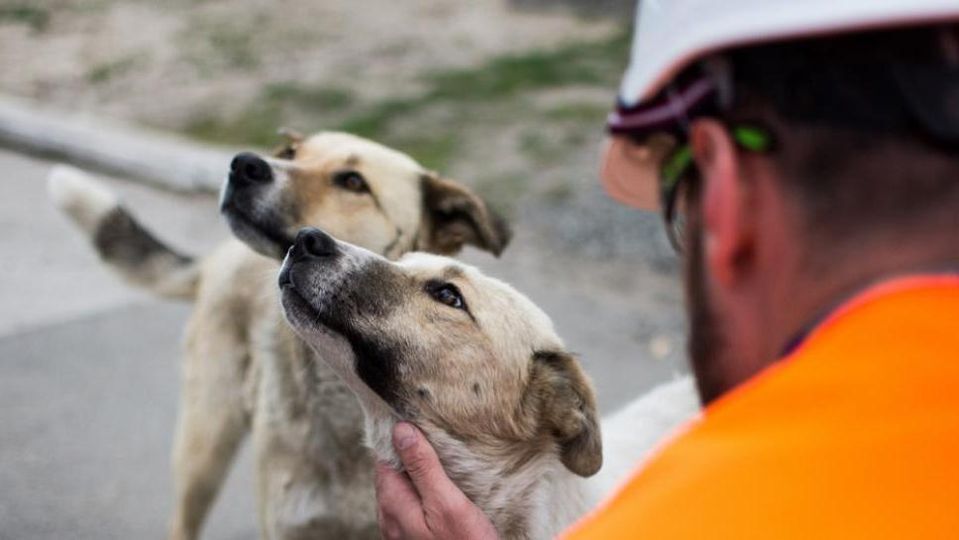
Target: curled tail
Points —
{"points": [[120, 241]]}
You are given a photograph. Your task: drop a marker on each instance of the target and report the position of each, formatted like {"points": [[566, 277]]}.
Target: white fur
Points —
{"points": [[632, 434], [80, 196], [630, 437], [551, 496], [559, 498]]}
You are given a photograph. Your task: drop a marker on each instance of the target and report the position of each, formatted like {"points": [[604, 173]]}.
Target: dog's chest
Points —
{"points": [[298, 390]]}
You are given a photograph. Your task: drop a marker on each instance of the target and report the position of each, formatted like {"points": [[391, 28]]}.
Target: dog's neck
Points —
{"points": [[539, 497], [536, 499]]}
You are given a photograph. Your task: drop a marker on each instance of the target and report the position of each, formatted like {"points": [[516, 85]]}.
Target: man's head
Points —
{"points": [[858, 182]]}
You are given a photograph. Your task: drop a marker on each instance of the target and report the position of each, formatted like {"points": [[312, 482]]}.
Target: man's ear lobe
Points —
{"points": [[568, 410], [457, 216]]}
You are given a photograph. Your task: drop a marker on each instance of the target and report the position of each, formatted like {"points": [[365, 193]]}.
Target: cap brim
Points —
{"points": [[631, 171]]}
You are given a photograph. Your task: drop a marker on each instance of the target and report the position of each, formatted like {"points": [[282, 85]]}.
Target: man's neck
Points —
{"points": [[818, 293]]}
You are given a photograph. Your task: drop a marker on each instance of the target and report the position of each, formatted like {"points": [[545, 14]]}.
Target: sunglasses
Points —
{"points": [[676, 178]]}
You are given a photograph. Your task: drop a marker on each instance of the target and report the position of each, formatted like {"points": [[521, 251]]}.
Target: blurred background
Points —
{"points": [[507, 96]]}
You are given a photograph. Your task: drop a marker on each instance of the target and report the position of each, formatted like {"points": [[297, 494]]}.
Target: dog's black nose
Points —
{"points": [[250, 168], [314, 243]]}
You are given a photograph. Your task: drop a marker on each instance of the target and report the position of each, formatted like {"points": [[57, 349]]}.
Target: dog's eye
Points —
{"points": [[351, 181], [448, 294]]}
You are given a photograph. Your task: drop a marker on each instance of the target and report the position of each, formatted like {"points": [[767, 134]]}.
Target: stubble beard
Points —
{"points": [[707, 342]]}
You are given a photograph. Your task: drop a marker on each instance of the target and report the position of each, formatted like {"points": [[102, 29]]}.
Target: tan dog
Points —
{"points": [[244, 369], [479, 369]]}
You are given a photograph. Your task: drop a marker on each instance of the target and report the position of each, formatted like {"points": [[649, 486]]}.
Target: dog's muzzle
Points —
{"points": [[248, 169], [311, 245]]}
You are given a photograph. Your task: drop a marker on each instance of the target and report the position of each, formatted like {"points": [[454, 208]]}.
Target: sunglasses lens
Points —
{"points": [[673, 187]]}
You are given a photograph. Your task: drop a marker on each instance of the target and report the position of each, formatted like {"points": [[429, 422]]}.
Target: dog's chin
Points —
{"points": [[307, 322], [302, 316], [263, 239], [335, 350]]}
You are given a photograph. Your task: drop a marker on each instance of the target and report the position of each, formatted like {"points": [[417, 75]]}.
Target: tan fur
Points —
{"points": [[512, 416], [245, 370]]}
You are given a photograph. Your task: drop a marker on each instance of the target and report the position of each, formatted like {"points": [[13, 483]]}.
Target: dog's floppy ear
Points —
{"points": [[568, 410], [457, 216]]}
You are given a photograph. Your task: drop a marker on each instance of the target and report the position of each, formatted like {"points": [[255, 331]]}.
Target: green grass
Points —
{"points": [[318, 98], [537, 146], [559, 193], [502, 78], [214, 45], [277, 105], [582, 63], [503, 191], [256, 126], [234, 45], [23, 13], [106, 71], [435, 152], [578, 112], [497, 89]]}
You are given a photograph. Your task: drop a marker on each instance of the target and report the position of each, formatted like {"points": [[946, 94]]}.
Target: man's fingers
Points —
{"points": [[394, 487], [422, 465], [441, 509], [399, 508]]}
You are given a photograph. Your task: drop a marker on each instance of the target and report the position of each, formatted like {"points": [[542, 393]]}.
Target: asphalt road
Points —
{"points": [[88, 367], [88, 376]]}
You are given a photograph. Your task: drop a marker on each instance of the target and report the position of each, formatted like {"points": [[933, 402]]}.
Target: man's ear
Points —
{"points": [[456, 216], [727, 221], [568, 410]]}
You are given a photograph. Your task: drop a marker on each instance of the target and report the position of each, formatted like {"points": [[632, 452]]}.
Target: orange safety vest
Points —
{"points": [[853, 435]]}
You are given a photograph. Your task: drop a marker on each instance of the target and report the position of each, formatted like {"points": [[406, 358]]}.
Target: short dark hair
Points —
{"points": [[851, 147]]}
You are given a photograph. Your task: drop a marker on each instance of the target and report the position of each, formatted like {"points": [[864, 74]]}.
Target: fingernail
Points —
{"points": [[403, 436]]}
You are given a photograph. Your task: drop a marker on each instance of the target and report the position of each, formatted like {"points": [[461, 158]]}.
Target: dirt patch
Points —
{"points": [[161, 63], [607, 8]]}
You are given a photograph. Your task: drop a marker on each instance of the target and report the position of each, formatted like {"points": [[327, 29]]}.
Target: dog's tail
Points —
{"points": [[120, 241]]}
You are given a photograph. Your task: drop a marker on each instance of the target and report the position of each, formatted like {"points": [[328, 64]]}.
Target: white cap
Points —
{"points": [[671, 34]]}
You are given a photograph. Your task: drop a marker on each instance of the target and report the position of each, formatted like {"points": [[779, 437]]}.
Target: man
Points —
{"points": [[806, 156]]}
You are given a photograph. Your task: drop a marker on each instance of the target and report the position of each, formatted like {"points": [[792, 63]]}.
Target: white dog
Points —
{"points": [[479, 368]]}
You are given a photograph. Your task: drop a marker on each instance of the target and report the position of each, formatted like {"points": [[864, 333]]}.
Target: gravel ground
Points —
{"points": [[162, 63]]}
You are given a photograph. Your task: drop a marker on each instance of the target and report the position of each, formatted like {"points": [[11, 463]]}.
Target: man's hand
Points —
{"points": [[424, 503]]}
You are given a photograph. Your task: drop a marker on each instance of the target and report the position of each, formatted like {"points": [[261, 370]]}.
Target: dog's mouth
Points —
{"points": [[296, 306], [268, 240], [300, 309]]}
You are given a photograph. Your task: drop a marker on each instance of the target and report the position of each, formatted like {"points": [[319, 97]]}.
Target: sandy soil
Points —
{"points": [[161, 62]]}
